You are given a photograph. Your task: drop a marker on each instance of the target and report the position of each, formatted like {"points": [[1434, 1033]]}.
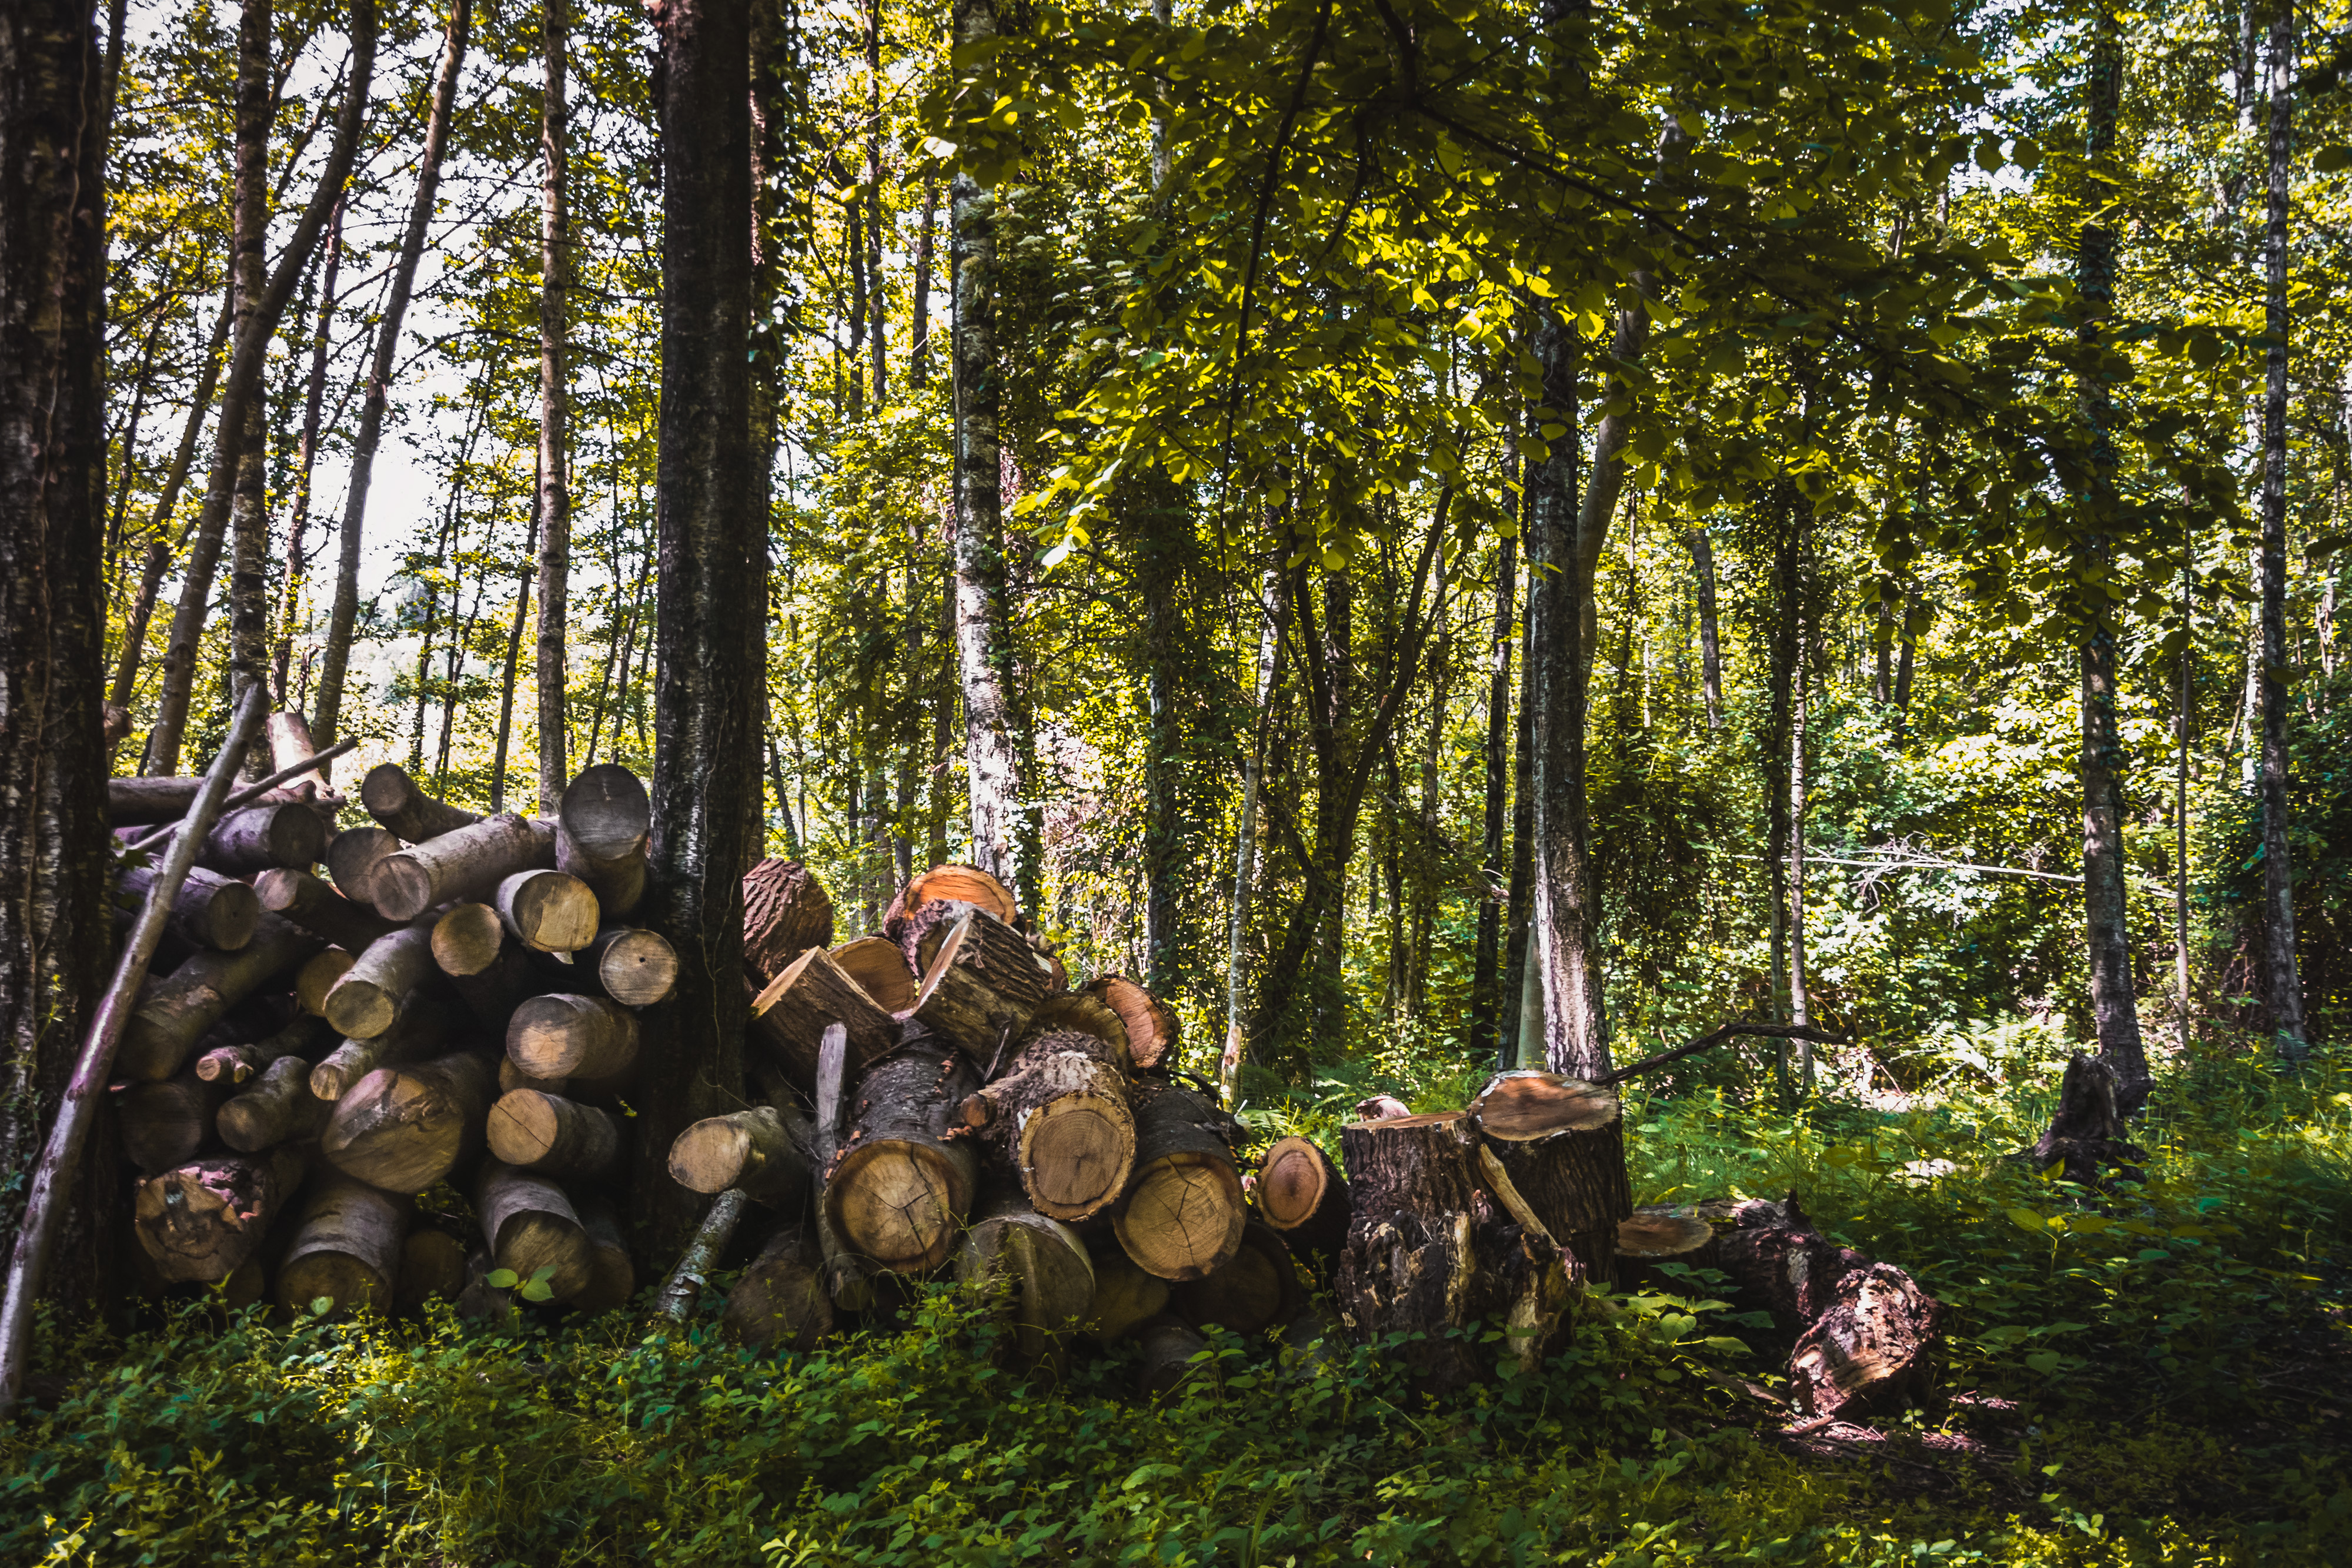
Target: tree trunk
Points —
{"points": [[2282, 986], [1273, 614], [1710, 646], [1485, 980], [247, 474], [1518, 1009], [1160, 573], [507, 674], [289, 599], [605, 826], [335, 658], [1799, 1004], [553, 503]]}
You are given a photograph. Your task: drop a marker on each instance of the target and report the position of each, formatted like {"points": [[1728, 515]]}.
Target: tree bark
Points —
{"points": [[1182, 1214], [786, 912], [790, 1018], [335, 659], [781, 1299], [561, 1036], [507, 672], [1493, 878], [1039, 1265], [248, 461], [314, 396], [1710, 646], [555, 498]]}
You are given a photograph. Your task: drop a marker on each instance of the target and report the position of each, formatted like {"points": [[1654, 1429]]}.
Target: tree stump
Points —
{"points": [[1554, 1153], [899, 1191], [2086, 1136]]}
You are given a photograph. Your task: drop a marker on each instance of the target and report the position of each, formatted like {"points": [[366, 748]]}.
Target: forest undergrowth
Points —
{"points": [[2156, 1375]]}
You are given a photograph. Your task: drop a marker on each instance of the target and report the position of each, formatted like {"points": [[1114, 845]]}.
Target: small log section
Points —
{"points": [[176, 1010], [547, 911], [1038, 1263], [981, 987], [791, 1014], [257, 838], [564, 1036], [636, 969], [489, 969], [353, 856], [1553, 1152], [465, 864], [1183, 1216], [204, 1220], [402, 1129], [899, 1191], [1151, 1023], [552, 1136], [781, 1299], [531, 1226], [346, 1248], [238, 1062], [368, 999], [1303, 1196], [390, 796], [277, 1108], [1059, 1121], [318, 908], [786, 912], [417, 1034], [604, 824], [881, 971], [751, 1149], [209, 910], [317, 976], [1255, 1290]]}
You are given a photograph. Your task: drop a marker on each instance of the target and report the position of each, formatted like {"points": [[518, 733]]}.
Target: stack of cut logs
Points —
{"points": [[454, 1010]]}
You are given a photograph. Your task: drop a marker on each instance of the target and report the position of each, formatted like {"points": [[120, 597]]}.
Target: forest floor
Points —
{"points": [[2158, 1376]]}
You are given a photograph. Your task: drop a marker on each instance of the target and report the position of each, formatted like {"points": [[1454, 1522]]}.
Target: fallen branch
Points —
{"points": [[1728, 1031], [701, 1255], [46, 1203]]}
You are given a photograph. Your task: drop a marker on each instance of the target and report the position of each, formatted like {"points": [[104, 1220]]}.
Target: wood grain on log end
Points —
{"points": [[1522, 1107]]}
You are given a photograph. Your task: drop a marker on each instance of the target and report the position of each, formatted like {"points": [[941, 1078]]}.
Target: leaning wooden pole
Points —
{"points": [[45, 1205]]}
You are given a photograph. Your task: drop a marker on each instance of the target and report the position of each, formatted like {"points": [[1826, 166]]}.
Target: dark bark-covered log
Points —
{"points": [[319, 909], [899, 1190], [918, 936], [781, 1299], [259, 837], [1168, 1344], [1870, 1351], [1428, 1255], [982, 986], [319, 974], [788, 1017], [1182, 1214], [346, 1248], [567, 1036], [786, 912], [604, 827], [1256, 1289], [547, 911], [393, 798], [419, 1034], [1775, 1259], [432, 1268], [880, 970], [851, 1279], [368, 999], [1151, 1023], [464, 865], [209, 910], [352, 857], [1661, 1234], [164, 1124], [1554, 1154], [751, 1149], [1059, 1120], [552, 1136], [1126, 1297], [1301, 1194], [2086, 1136], [175, 1011], [276, 1108], [204, 1219], [612, 1273], [1086, 1015], [636, 968], [1039, 1265], [489, 970], [234, 1064], [532, 1226], [404, 1128]]}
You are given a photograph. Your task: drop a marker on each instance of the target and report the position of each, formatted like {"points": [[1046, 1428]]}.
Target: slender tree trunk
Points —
{"points": [[919, 335], [1163, 525], [335, 659], [1493, 874], [877, 308], [983, 631], [1784, 653], [248, 512], [1710, 645], [554, 396], [1424, 901], [514, 655], [130, 439], [711, 582], [1520, 1012], [54, 852], [2282, 986], [313, 401], [2184, 723], [2105, 904], [1799, 1004], [1237, 989], [1906, 659]]}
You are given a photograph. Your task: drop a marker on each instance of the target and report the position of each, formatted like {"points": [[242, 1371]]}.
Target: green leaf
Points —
{"points": [[2026, 1219], [2045, 1362]]}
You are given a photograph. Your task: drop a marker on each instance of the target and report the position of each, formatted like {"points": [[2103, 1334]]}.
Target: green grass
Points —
{"points": [[2154, 1378]]}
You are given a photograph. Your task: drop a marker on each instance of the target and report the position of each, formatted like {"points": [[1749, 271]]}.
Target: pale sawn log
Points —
{"points": [[395, 967], [881, 971], [418, 1033], [490, 970], [209, 911], [791, 1014], [346, 1248], [636, 968], [532, 1226], [751, 1149], [552, 1136], [320, 909], [175, 1010], [567, 1036], [393, 798], [547, 911], [403, 1128], [276, 1108], [603, 825], [317, 976], [464, 865], [352, 857]]}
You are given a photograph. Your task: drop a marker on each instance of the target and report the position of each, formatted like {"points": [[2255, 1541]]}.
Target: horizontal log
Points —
{"points": [[1125, 1297], [899, 1191], [402, 1128], [604, 824], [366, 1001], [533, 1228], [202, 1221], [490, 970], [781, 1299], [176, 1010], [569, 1036], [394, 798], [547, 911], [1301, 1194], [1151, 1023], [464, 864], [352, 857], [1059, 1119], [1182, 1214], [236, 1063], [636, 968], [612, 1273], [164, 1124], [143, 803], [748, 1149], [317, 976], [209, 911], [1075, 1010], [276, 1107], [555, 1137], [257, 838], [789, 1016], [423, 1025], [1256, 1289], [1038, 1266], [346, 1248], [320, 909]]}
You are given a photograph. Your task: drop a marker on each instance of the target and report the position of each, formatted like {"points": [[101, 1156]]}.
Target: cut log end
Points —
{"points": [[1184, 1219], [1075, 1153], [547, 911], [1291, 1183], [900, 1203], [1657, 1233], [1523, 1106]]}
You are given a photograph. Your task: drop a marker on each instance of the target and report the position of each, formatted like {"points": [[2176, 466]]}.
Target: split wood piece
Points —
{"points": [[566, 1036], [236, 1063], [209, 911], [404, 1128], [393, 798], [1256, 1289], [1124, 1297], [683, 1288], [786, 912], [781, 1299], [432, 1268], [1302, 1195], [142, 803], [612, 1274], [352, 857], [346, 1250], [852, 1279], [483, 962], [750, 1149], [1087, 1015], [1183, 1216], [419, 1034], [164, 1124], [899, 1190], [534, 1131], [1168, 1344], [1382, 1108], [276, 1108], [1059, 1119], [2085, 1134], [1040, 1265], [982, 987], [367, 1000], [257, 838], [1151, 1023], [320, 909], [318, 976], [953, 883], [636, 968], [1557, 1146], [880, 970], [204, 1220], [603, 825], [1870, 1351], [547, 911], [176, 1010], [511, 1078], [464, 864], [1428, 1255], [791, 1015], [532, 1226]]}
